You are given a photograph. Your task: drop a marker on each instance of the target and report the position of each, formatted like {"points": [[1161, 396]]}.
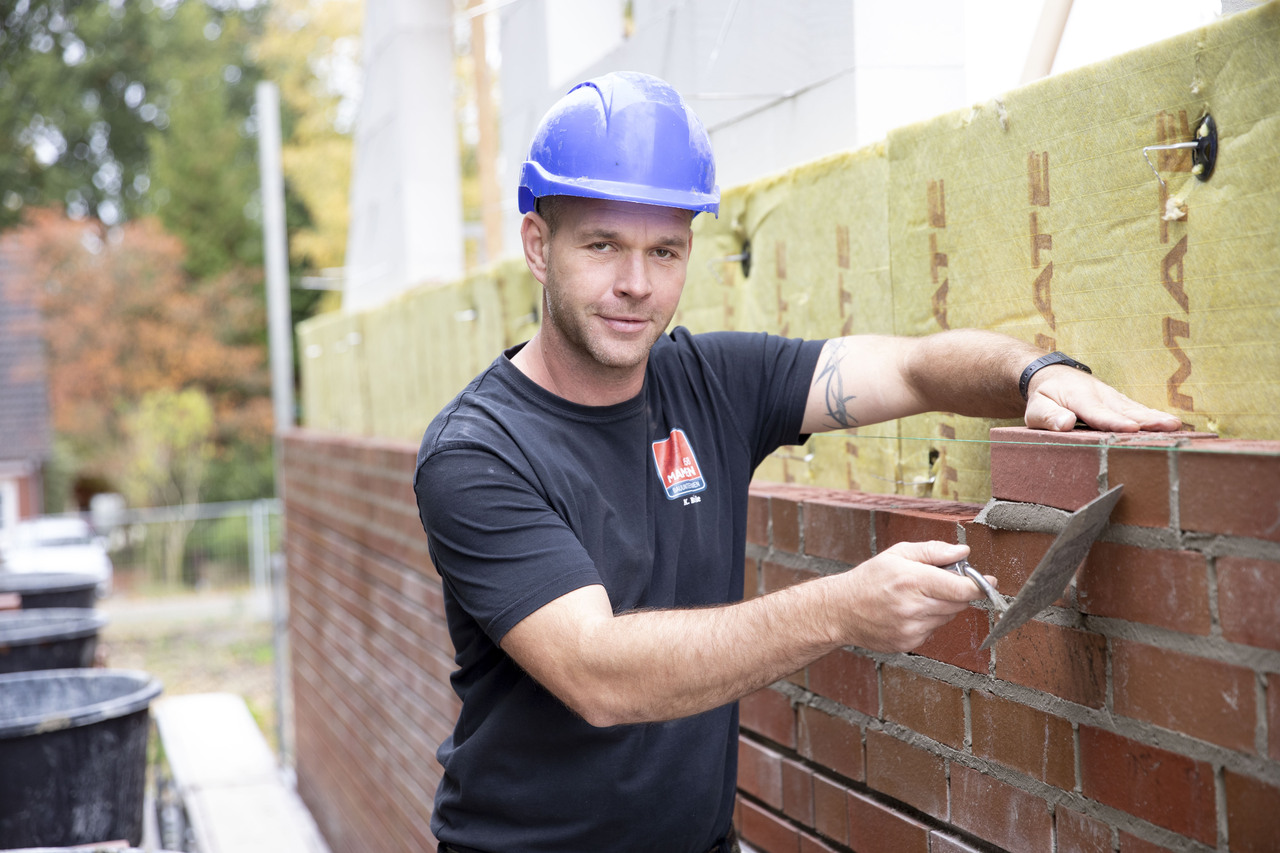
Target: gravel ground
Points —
{"points": [[197, 643]]}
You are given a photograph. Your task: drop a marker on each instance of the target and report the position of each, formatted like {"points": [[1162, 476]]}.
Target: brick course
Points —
{"points": [[1141, 712]]}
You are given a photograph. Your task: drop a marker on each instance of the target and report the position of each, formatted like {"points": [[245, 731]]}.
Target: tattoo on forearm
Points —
{"points": [[837, 401]]}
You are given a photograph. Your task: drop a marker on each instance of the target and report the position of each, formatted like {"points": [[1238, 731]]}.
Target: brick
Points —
{"points": [[809, 844], [1144, 473], [1253, 814], [760, 772], [1273, 714], [1065, 662], [1205, 699], [959, 641], [1232, 491], [1023, 738], [924, 705], [1077, 833], [943, 843], [911, 525], [1134, 844], [1009, 555], [904, 772], [877, 828], [797, 791], [784, 519], [769, 713], [997, 812], [766, 831], [1249, 601], [777, 576], [1169, 589], [751, 578], [758, 519], [833, 742], [848, 678], [1153, 784], [837, 531], [830, 812], [1042, 467]]}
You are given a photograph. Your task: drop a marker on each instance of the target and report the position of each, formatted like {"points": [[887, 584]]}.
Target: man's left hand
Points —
{"points": [[1059, 395]]}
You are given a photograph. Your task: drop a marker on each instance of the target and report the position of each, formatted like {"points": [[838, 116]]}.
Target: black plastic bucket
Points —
{"points": [[79, 849], [48, 638], [73, 756], [51, 589]]}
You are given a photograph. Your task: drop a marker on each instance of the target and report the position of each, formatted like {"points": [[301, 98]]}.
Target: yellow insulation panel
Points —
{"points": [[1034, 214]]}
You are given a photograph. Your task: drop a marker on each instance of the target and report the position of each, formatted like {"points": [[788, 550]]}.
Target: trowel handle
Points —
{"points": [[962, 567]]}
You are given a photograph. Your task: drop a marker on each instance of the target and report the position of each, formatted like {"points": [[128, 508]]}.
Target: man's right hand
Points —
{"points": [[898, 598]]}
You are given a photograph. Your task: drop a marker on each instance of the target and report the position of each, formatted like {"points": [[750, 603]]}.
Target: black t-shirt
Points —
{"points": [[525, 497]]}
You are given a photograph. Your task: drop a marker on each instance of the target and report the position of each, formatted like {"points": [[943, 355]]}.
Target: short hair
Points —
{"points": [[549, 207]]}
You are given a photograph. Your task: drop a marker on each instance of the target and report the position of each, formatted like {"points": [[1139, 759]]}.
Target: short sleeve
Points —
{"points": [[498, 543], [765, 379]]}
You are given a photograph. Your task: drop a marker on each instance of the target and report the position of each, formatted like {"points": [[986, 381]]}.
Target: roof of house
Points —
{"points": [[25, 432]]}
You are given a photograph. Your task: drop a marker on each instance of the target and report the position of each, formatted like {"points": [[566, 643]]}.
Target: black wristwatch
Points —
{"points": [[1045, 361]]}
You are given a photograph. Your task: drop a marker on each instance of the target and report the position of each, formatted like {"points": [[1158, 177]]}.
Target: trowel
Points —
{"points": [[1053, 574]]}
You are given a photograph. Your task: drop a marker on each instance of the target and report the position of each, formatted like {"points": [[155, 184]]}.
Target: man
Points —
{"points": [[585, 500]]}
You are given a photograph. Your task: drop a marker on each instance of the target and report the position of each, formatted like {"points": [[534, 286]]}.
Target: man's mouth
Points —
{"points": [[626, 325]]}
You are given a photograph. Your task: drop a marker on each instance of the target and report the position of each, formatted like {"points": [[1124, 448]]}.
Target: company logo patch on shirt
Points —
{"points": [[677, 466]]}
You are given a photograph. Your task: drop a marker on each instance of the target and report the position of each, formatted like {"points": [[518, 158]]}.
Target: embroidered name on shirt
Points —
{"points": [[677, 466]]}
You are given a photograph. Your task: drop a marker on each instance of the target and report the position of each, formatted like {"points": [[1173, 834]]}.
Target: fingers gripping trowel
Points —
{"points": [[1050, 579]]}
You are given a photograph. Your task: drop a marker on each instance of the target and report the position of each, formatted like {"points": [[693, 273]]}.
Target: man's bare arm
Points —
{"points": [[664, 664], [868, 379]]}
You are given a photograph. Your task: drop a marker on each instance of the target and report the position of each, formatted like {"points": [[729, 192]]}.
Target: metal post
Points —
{"points": [[279, 327], [280, 340], [258, 547]]}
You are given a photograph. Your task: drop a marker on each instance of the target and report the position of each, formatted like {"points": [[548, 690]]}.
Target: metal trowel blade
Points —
{"points": [[1050, 579]]}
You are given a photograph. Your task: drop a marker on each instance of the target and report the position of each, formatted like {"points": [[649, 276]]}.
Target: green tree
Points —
{"points": [[170, 445], [310, 49], [76, 106], [204, 170]]}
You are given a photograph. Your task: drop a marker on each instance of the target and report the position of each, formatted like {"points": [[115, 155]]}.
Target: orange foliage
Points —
{"points": [[122, 318]]}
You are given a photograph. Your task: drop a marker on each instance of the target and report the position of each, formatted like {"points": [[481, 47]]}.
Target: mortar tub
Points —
{"points": [[48, 638], [73, 748], [51, 589], [92, 848]]}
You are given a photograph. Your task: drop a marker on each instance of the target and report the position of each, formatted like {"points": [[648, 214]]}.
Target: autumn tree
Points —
{"points": [[117, 110], [123, 319]]}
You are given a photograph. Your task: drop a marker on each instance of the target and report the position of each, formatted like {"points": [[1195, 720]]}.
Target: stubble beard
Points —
{"points": [[577, 331]]}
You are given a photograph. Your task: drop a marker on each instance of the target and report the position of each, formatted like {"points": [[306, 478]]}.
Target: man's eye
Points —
{"points": [[600, 247]]}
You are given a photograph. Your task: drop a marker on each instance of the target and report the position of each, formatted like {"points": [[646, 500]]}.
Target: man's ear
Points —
{"points": [[535, 235]]}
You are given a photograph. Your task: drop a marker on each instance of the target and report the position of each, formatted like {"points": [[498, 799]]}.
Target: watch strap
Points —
{"points": [[1043, 362]]}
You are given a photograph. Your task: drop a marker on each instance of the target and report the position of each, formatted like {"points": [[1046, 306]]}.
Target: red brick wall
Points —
{"points": [[1142, 713], [370, 652]]}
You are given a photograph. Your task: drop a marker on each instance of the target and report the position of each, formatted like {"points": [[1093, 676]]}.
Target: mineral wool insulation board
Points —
{"points": [[1035, 214]]}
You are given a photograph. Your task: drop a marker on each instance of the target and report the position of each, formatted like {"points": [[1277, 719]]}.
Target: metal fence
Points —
{"points": [[198, 546]]}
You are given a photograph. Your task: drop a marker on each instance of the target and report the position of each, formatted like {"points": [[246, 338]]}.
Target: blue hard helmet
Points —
{"points": [[624, 136]]}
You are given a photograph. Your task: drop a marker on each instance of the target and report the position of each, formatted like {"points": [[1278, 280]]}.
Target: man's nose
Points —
{"points": [[633, 276]]}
